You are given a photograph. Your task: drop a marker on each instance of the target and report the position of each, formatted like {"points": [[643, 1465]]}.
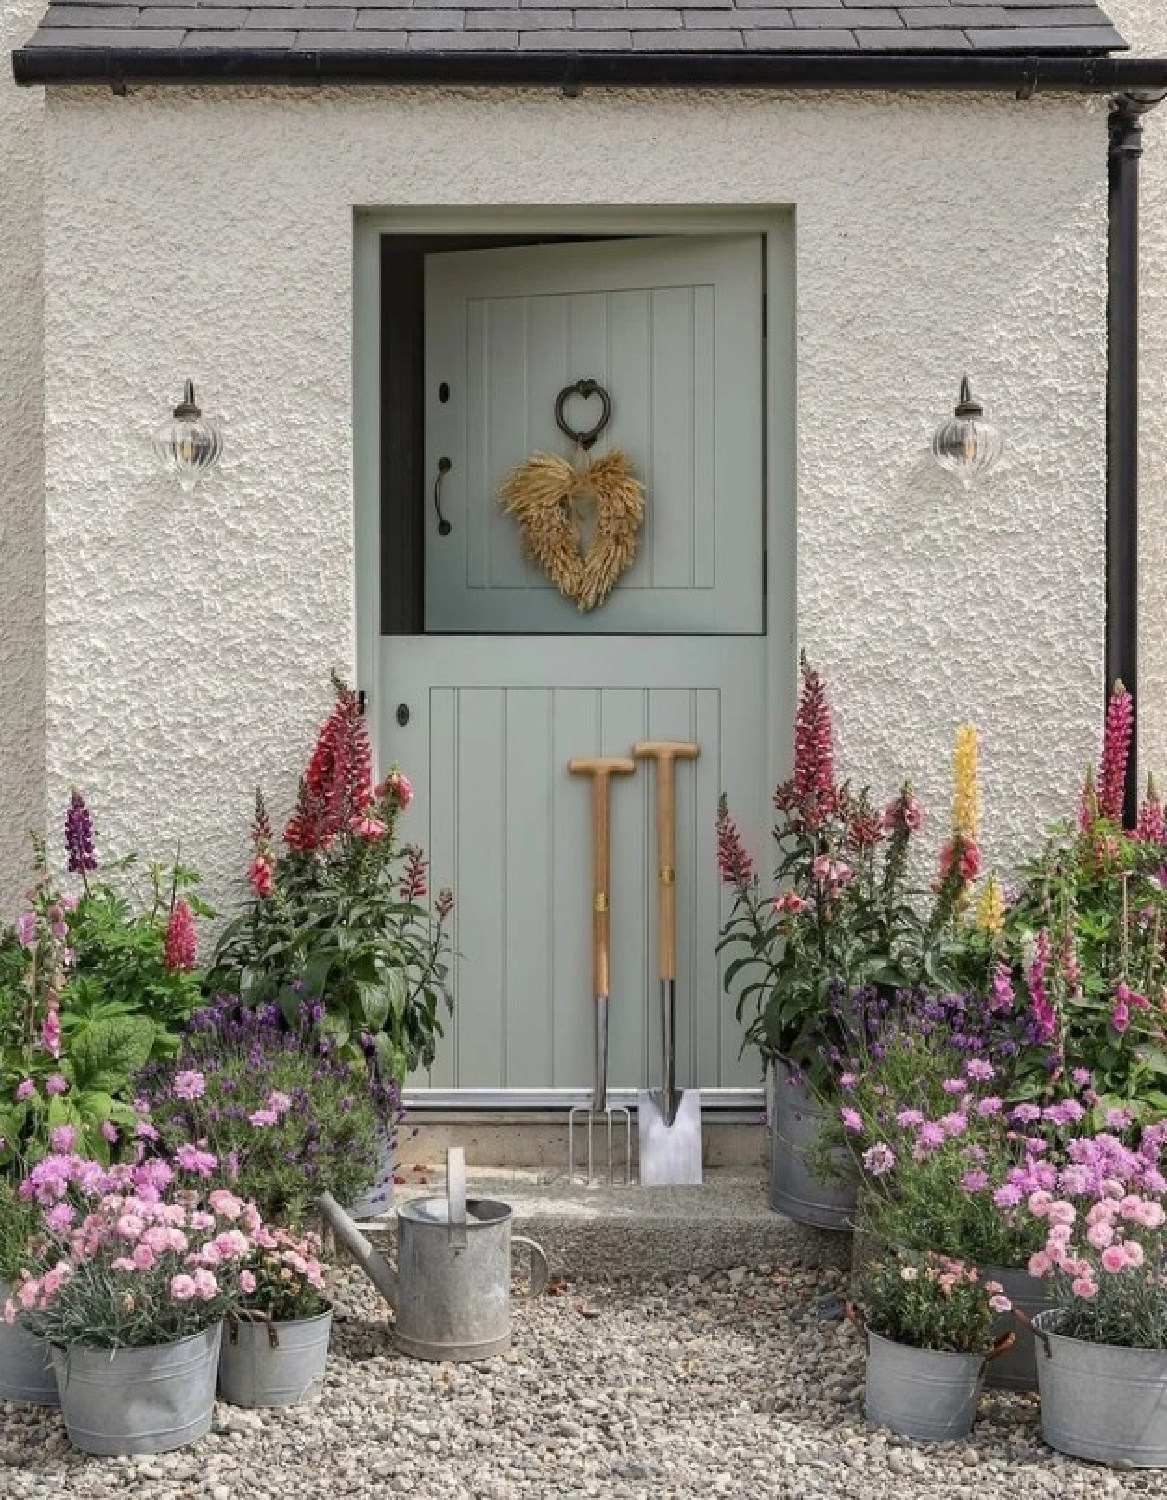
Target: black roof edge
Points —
{"points": [[1019, 72]]}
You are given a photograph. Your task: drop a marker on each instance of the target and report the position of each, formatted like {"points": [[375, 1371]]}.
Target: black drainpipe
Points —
{"points": [[1122, 415]]}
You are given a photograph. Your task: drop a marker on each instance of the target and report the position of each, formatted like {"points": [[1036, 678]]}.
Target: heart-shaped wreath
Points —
{"points": [[544, 496]]}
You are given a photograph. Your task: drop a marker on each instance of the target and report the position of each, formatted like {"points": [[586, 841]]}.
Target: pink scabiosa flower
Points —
{"points": [[1116, 749], [56, 1084], [181, 941], [852, 1119], [63, 1138], [976, 1181], [25, 1090], [733, 859], [110, 1131], [879, 1159], [262, 1118], [189, 1084]]}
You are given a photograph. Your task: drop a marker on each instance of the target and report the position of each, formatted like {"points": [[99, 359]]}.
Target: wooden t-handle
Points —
{"points": [[666, 753], [601, 769]]}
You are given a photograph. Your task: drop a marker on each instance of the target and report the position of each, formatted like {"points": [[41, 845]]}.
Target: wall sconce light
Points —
{"points": [[967, 445], [190, 444]]}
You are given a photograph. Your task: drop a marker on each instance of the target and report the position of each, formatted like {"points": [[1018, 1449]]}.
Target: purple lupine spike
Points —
{"points": [[79, 835]]}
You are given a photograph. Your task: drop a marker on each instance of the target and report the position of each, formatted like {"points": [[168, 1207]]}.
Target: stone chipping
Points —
{"points": [[744, 1383]]}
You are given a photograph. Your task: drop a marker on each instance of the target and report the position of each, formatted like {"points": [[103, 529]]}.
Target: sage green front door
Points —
{"points": [[510, 681]]}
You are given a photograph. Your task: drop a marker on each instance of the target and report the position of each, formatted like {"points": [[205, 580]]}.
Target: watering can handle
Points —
{"points": [[456, 1197], [539, 1269]]}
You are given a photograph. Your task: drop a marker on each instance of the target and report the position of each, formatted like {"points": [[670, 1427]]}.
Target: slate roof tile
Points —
{"points": [[370, 26]]}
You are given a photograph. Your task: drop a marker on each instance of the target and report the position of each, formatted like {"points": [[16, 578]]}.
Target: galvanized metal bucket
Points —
{"points": [[795, 1188], [452, 1287], [262, 1363], [922, 1393], [1099, 1401], [150, 1400], [1016, 1369], [26, 1369]]}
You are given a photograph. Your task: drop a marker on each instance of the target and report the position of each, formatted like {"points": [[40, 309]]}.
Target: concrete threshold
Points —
{"points": [[603, 1233]]}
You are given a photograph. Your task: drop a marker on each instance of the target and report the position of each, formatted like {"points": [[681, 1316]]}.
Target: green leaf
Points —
{"points": [[105, 1055]]}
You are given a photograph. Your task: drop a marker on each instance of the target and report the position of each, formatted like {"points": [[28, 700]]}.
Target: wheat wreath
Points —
{"points": [[545, 495]]}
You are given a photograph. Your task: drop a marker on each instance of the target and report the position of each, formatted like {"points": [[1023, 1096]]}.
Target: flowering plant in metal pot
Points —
{"points": [[276, 1346], [842, 918], [1084, 938], [270, 1106], [928, 1320], [128, 1278], [1102, 1361], [339, 914]]}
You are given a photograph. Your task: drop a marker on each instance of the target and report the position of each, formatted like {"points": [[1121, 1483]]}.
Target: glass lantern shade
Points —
{"points": [[189, 444], [968, 445]]}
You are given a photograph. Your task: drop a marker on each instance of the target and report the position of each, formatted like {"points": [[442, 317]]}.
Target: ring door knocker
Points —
{"points": [[587, 389]]}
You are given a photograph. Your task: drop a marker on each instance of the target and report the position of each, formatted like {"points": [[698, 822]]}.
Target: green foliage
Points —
{"points": [[846, 921], [1100, 899], [120, 967], [17, 1223]]}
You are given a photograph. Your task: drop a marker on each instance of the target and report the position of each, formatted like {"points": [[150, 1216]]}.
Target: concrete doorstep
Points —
{"points": [[605, 1233]]}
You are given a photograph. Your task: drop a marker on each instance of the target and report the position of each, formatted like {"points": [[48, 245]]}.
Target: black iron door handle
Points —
{"points": [[444, 467]]}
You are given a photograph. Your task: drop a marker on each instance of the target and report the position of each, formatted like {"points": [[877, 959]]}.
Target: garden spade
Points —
{"points": [[601, 769], [669, 1122]]}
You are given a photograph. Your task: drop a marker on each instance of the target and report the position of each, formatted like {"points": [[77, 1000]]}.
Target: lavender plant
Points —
{"points": [[272, 1108]]}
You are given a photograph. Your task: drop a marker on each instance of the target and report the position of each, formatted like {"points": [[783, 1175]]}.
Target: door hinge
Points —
{"points": [[362, 701]]}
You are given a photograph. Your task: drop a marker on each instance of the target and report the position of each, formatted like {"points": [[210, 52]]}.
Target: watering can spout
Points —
{"points": [[371, 1261]]}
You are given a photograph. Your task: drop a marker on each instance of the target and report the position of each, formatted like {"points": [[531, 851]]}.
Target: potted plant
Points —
{"points": [[270, 1105], [1102, 1349], [128, 1279], [275, 1345], [26, 1369], [339, 914], [841, 920], [928, 1322], [89, 987]]}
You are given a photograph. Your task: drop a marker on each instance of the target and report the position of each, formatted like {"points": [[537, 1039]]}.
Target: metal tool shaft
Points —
{"points": [[668, 1024], [600, 1093]]}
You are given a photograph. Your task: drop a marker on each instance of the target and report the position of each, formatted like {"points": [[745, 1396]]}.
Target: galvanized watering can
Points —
{"points": [[451, 1291]]}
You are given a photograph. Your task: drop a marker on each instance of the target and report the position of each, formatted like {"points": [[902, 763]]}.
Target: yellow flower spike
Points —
{"points": [[966, 808], [991, 906]]}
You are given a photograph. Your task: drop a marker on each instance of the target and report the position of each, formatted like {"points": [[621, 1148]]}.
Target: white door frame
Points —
{"points": [[776, 224]]}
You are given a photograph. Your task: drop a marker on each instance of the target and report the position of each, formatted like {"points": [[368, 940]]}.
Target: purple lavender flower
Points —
{"points": [[79, 835]]}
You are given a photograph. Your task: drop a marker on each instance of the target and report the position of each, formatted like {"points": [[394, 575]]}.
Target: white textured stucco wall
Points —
{"points": [[211, 234], [1144, 24], [22, 636]]}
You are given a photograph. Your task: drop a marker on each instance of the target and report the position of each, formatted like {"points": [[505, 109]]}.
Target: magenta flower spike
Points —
{"points": [[1116, 749]]}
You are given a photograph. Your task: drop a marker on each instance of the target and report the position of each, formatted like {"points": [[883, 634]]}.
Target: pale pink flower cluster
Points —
{"points": [[1108, 1242], [277, 1106], [131, 1221]]}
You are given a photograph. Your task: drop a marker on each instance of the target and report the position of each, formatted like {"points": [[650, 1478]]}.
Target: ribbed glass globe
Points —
{"points": [[190, 444], [967, 445]]}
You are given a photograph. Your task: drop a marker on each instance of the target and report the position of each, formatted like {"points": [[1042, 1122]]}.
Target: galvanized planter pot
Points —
{"points": [[795, 1190], [1099, 1401], [1016, 1369], [150, 1400], [274, 1364], [922, 1393], [26, 1369]]}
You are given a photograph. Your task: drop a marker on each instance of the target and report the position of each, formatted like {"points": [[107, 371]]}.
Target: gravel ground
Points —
{"points": [[743, 1384]]}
